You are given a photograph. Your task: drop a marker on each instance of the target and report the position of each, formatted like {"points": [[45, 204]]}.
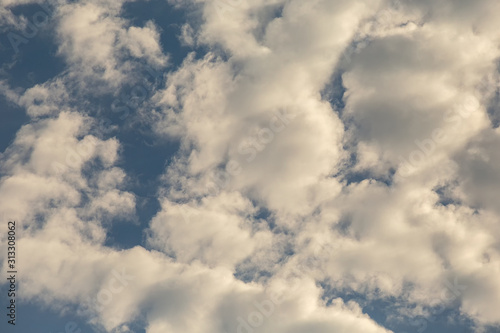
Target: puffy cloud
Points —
{"points": [[276, 196], [270, 109], [97, 43], [217, 232], [43, 170], [44, 99], [416, 94]]}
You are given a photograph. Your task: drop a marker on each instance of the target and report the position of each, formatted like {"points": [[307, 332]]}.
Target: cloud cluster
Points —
{"points": [[277, 195], [417, 95]]}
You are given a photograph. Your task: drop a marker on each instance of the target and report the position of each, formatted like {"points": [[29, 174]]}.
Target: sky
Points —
{"points": [[250, 166]]}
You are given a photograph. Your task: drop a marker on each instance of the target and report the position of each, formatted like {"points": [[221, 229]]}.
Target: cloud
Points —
{"points": [[216, 232], [43, 170], [277, 196], [415, 95], [44, 99], [97, 43]]}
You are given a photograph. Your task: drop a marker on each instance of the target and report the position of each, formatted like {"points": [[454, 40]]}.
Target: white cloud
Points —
{"points": [[43, 170], [44, 99], [218, 231], [415, 92], [93, 39], [265, 195]]}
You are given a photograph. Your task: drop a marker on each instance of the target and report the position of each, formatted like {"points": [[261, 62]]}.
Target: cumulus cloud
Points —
{"points": [[278, 199], [44, 168], [416, 94], [96, 41]]}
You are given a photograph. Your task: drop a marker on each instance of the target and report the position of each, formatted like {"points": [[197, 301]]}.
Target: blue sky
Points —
{"points": [[172, 165]]}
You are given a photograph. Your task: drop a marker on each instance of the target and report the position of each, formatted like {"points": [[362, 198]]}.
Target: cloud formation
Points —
{"points": [[326, 148]]}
